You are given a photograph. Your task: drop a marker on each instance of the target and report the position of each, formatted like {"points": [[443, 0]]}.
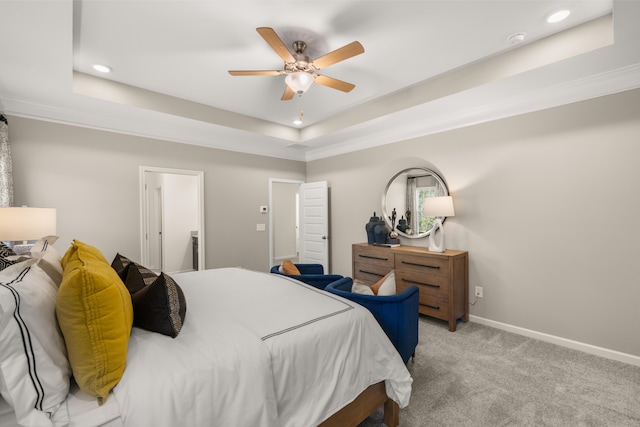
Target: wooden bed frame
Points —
{"points": [[363, 406]]}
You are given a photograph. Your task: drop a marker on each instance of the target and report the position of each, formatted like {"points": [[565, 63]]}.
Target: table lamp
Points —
{"points": [[25, 224], [438, 207]]}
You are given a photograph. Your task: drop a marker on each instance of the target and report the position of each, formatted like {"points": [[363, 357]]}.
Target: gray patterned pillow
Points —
{"points": [[6, 251]]}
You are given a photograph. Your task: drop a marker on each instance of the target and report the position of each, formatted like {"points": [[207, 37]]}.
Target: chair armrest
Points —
{"points": [[397, 314], [310, 269], [302, 268]]}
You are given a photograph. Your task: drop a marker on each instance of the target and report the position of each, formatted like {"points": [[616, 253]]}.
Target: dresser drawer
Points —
{"points": [[428, 284], [369, 273], [431, 265], [434, 306], [379, 256]]}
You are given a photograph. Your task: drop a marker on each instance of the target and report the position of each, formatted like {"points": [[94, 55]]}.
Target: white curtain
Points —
{"points": [[6, 175], [412, 205]]}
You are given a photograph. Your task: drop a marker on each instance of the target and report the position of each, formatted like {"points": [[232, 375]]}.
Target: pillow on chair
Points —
{"points": [[385, 286], [361, 288], [288, 267]]}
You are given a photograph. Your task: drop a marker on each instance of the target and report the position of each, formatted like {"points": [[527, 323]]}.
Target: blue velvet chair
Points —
{"points": [[311, 274], [397, 314]]}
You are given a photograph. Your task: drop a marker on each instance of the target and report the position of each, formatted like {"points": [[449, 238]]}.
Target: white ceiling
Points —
{"points": [[428, 66]]}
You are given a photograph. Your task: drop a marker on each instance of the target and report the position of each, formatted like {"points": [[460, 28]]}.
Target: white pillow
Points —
{"points": [[387, 285], [48, 256], [361, 288], [34, 371]]}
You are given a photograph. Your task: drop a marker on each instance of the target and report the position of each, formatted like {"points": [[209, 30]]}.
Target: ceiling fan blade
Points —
{"points": [[288, 94], [334, 83], [254, 73], [345, 52], [270, 36]]}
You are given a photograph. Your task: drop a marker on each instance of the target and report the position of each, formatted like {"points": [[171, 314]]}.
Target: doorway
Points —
{"points": [[284, 227], [172, 219], [298, 222]]}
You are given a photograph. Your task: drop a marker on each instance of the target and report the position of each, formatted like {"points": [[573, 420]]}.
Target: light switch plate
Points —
{"points": [[260, 227]]}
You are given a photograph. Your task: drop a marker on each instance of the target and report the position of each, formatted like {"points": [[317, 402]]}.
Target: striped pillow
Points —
{"points": [[34, 373]]}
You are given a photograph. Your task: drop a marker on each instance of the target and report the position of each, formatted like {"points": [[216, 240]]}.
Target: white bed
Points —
{"points": [[256, 349]]}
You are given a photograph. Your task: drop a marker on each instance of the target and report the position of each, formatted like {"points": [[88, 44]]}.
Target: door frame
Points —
{"points": [[144, 225]]}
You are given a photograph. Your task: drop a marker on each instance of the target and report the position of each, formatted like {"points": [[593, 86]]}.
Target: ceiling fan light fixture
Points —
{"points": [[299, 81]]}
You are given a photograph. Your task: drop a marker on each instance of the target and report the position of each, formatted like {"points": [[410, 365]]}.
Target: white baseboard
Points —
{"points": [[576, 345]]}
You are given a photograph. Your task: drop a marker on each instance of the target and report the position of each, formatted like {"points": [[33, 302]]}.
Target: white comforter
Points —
{"points": [[256, 349]]}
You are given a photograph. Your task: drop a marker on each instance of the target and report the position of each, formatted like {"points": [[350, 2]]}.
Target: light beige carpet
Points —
{"points": [[481, 376]]}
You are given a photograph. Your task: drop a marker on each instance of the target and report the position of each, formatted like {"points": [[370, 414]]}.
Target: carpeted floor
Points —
{"points": [[481, 376]]}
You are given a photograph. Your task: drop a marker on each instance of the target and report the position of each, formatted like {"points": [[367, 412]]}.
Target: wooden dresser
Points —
{"points": [[442, 278]]}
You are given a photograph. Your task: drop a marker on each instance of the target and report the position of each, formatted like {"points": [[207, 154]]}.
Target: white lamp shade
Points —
{"points": [[439, 206], [26, 223], [299, 81]]}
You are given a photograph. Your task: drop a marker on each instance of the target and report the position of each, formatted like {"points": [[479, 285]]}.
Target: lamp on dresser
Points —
{"points": [[438, 207], [26, 224]]}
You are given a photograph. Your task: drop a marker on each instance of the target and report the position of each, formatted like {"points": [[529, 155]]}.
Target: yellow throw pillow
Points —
{"points": [[95, 314], [290, 268]]}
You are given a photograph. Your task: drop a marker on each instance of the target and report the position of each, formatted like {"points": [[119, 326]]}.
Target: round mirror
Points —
{"points": [[405, 193]]}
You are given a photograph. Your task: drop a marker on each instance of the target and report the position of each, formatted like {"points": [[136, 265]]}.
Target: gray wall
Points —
{"points": [[547, 204], [92, 178]]}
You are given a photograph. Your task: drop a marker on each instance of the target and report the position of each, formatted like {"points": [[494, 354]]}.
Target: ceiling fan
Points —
{"points": [[299, 69]]}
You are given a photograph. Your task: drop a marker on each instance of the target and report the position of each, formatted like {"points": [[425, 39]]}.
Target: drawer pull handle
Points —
{"points": [[421, 283], [433, 307], [373, 257], [421, 265], [371, 272]]}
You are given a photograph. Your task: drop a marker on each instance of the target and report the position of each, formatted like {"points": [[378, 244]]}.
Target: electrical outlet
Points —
{"points": [[479, 291]]}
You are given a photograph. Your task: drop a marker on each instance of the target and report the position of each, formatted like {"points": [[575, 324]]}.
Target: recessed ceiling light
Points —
{"points": [[102, 68], [558, 16], [516, 38]]}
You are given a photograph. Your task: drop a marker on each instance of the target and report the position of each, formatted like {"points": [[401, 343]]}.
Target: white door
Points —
{"points": [[314, 224]]}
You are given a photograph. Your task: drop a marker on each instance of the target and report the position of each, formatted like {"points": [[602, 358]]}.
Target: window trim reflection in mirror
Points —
{"points": [[403, 182]]}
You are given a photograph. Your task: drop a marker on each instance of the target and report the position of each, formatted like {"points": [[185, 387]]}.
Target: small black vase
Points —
{"points": [[381, 233], [369, 227]]}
